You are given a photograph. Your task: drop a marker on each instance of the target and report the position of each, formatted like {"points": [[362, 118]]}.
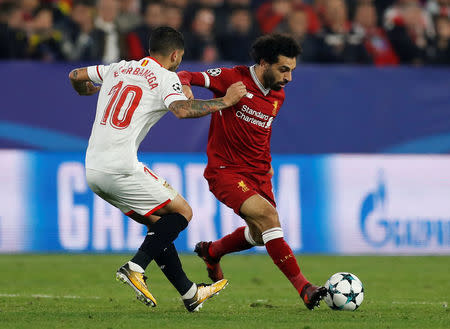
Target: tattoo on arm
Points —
{"points": [[194, 108], [79, 86]]}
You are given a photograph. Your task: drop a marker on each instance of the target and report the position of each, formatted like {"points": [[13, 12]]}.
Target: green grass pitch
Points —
{"points": [[80, 291]]}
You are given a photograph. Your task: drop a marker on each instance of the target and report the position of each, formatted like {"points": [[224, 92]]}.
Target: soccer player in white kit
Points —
{"points": [[133, 96]]}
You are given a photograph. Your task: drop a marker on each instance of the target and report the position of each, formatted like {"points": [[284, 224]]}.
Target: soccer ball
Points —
{"points": [[344, 291]]}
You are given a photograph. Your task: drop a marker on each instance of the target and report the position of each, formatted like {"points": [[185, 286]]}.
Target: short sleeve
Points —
{"points": [[97, 72], [171, 89]]}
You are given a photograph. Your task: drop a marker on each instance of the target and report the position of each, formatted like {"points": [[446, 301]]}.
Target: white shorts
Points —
{"points": [[142, 192]]}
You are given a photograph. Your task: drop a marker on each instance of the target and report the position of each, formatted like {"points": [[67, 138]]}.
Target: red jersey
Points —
{"points": [[239, 136]]}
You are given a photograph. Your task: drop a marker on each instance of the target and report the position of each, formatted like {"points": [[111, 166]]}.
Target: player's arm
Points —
{"points": [[217, 80], [81, 82], [193, 108], [192, 78]]}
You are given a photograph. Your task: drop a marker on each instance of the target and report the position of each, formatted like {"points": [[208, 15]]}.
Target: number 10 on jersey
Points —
{"points": [[131, 95]]}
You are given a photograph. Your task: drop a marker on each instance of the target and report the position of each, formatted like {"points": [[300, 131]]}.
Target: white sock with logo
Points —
{"points": [[135, 267], [190, 293]]}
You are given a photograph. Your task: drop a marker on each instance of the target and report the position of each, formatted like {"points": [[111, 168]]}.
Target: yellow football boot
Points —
{"points": [[137, 281], [204, 292]]}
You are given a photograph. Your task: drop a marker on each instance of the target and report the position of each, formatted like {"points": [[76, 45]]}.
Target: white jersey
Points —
{"points": [[133, 97]]}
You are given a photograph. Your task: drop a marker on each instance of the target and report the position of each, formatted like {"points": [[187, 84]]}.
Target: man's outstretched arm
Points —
{"points": [[193, 108], [80, 81], [192, 78]]}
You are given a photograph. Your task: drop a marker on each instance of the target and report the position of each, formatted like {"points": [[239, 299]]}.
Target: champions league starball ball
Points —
{"points": [[344, 292]]}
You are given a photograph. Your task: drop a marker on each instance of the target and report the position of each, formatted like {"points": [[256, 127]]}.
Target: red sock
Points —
{"points": [[283, 257], [229, 243]]}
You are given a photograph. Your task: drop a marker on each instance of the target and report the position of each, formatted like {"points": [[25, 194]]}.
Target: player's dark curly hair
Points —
{"points": [[164, 40], [270, 46]]}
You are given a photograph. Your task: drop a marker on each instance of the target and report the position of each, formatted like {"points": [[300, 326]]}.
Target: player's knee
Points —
{"points": [[264, 219], [253, 235], [186, 211], [257, 237], [269, 219]]}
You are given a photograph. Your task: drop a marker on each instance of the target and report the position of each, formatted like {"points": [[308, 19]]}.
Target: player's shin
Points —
{"points": [[159, 236], [233, 242], [170, 264], [282, 256]]}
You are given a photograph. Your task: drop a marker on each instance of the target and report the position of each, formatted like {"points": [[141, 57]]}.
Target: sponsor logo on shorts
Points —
{"points": [[242, 185]]}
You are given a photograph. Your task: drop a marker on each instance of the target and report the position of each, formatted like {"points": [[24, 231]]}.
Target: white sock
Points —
{"points": [[135, 267], [271, 234], [190, 293]]}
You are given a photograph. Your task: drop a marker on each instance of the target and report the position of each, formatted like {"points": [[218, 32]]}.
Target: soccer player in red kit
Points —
{"points": [[239, 167]]}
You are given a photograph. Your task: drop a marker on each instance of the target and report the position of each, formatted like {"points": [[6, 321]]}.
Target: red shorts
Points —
{"points": [[232, 187]]}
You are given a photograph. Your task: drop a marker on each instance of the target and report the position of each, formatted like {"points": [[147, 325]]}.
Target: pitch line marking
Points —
{"points": [[444, 303], [47, 296]]}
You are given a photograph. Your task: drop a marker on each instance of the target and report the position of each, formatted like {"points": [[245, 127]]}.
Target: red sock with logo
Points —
{"points": [[282, 256], [232, 242]]}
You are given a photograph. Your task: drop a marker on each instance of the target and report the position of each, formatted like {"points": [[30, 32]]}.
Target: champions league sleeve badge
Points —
{"points": [[214, 72], [177, 87]]}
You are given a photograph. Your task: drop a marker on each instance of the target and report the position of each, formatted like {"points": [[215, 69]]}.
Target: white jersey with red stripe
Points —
{"points": [[134, 95]]}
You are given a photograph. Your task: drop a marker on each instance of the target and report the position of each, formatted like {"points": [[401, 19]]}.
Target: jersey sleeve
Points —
{"points": [[191, 78], [97, 72], [171, 90], [217, 80]]}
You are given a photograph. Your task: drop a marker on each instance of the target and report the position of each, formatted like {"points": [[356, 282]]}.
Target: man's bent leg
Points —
{"points": [[193, 295], [168, 260], [170, 264], [162, 233], [233, 242], [211, 252], [262, 215]]}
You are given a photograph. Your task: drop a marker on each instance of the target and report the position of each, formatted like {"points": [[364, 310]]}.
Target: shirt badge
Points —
{"points": [[275, 107]]}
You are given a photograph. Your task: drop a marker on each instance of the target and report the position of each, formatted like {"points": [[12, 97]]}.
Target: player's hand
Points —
{"points": [[187, 92], [234, 93], [90, 89]]}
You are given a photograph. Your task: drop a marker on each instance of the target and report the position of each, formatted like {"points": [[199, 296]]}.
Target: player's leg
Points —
{"points": [[263, 217], [212, 251], [160, 235], [139, 196], [164, 219], [230, 189], [168, 260], [132, 273], [173, 218]]}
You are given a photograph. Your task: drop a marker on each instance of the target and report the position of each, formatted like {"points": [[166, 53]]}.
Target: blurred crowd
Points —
{"points": [[372, 32]]}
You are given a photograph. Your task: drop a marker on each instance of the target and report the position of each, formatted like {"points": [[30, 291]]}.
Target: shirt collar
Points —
{"points": [[153, 59], [258, 83]]}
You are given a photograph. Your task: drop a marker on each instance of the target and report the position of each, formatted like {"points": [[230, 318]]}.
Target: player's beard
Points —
{"points": [[174, 67], [269, 80]]}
